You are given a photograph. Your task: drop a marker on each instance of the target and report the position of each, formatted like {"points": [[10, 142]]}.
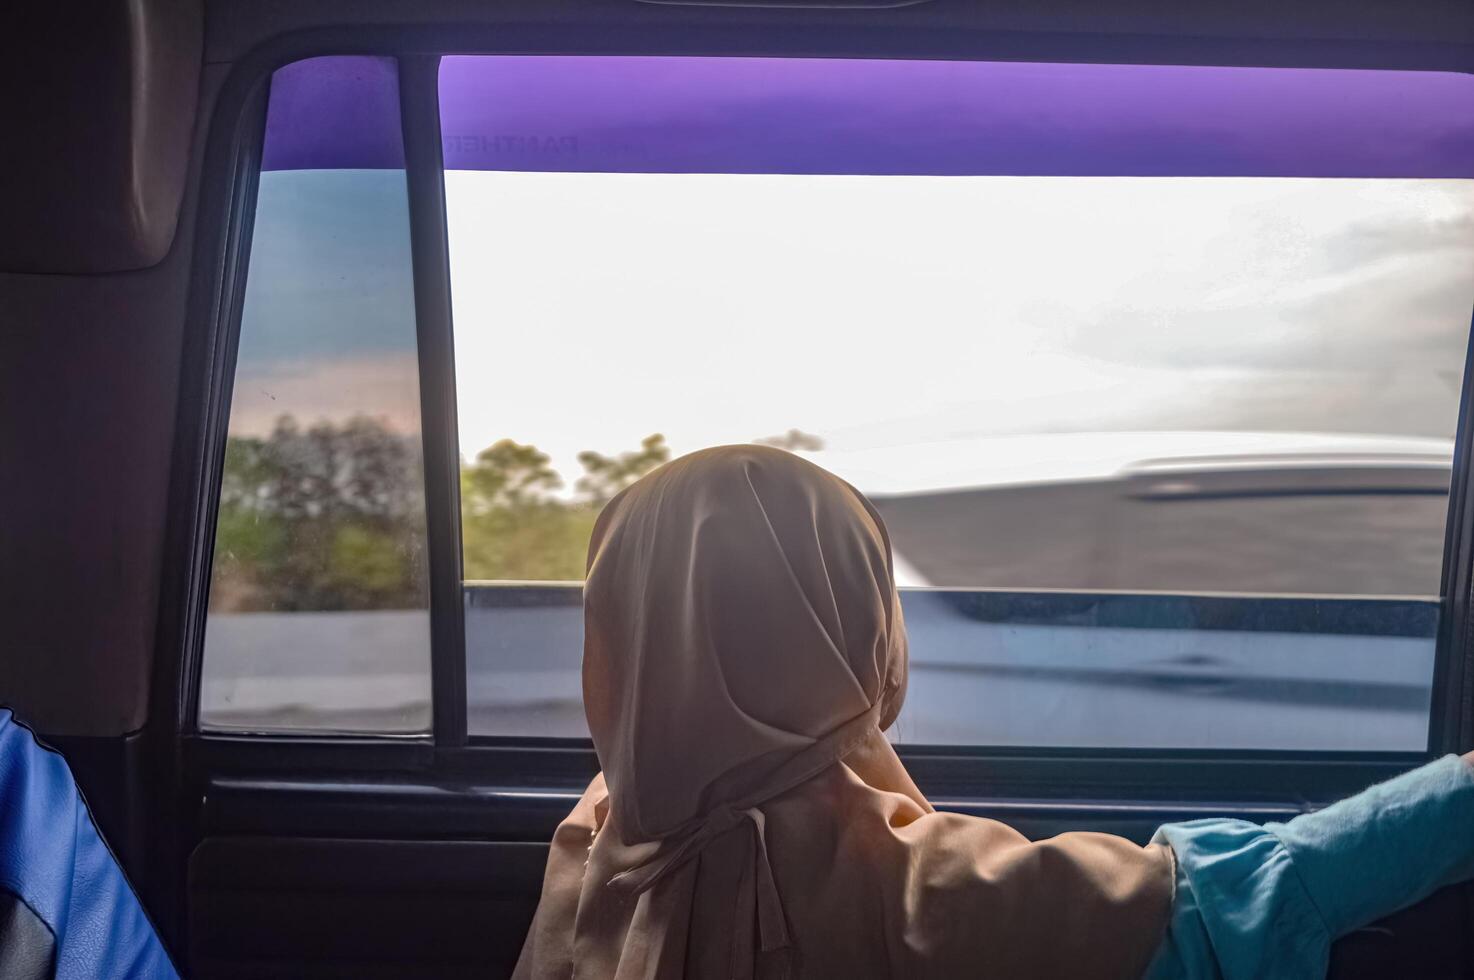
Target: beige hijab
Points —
{"points": [[743, 652]]}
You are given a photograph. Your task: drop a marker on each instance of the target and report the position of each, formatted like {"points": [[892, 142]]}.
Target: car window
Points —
{"points": [[1152, 371], [318, 613]]}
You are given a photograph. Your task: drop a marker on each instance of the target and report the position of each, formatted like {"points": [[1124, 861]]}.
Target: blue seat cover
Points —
{"points": [[54, 863]]}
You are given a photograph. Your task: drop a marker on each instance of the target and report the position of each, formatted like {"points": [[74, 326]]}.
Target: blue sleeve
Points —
{"points": [[1256, 901], [54, 861]]}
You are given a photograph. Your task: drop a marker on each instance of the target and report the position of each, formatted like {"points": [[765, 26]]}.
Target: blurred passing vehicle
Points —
{"points": [[1270, 513]]}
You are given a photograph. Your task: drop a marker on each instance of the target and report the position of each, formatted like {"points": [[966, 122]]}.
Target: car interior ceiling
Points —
{"points": [[319, 856]]}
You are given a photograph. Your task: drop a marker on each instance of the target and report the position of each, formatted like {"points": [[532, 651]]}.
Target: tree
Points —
{"points": [[513, 528], [794, 440], [604, 476], [331, 518], [507, 474]]}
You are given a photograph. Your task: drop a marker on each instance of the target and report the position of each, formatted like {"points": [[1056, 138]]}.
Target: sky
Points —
{"points": [[591, 310], [878, 313]]}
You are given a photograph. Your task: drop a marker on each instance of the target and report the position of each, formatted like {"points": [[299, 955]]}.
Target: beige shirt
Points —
{"points": [[744, 650]]}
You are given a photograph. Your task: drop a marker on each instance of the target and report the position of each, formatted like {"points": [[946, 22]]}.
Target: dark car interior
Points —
{"points": [[132, 163]]}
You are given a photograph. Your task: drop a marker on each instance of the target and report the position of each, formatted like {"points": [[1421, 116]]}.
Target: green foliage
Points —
{"points": [[543, 542], [332, 517], [327, 518], [604, 476], [246, 544], [366, 563], [513, 527], [507, 475]]}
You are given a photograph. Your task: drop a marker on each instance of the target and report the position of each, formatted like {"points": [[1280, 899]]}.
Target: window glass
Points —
{"points": [[1170, 358], [318, 617]]}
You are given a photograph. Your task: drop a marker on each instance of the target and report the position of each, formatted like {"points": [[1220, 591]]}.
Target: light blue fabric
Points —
{"points": [[1255, 902]]}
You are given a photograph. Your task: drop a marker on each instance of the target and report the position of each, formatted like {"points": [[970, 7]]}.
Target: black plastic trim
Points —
{"points": [[217, 299], [846, 36], [1451, 714], [437, 810], [1065, 776], [947, 772], [792, 4], [419, 106], [224, 217]]}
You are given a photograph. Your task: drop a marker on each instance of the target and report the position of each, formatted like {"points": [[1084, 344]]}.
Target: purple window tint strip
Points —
{"points": [[334, 113], [825, 116]]}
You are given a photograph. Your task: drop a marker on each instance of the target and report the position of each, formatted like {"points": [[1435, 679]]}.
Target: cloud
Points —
{"points": [[1351, 323]]}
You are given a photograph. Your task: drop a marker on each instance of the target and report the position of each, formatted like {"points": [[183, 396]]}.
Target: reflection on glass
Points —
{"points": [[1083, 328], [318, 616]]}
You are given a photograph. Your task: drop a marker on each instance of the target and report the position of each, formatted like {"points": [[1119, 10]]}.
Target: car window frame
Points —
{"points": [[1108, 779]]}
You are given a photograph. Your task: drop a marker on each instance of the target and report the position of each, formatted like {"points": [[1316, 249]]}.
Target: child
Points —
{"points": [[743, 653]]}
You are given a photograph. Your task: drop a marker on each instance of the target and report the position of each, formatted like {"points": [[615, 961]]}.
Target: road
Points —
{"points": [[973, 681]]}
